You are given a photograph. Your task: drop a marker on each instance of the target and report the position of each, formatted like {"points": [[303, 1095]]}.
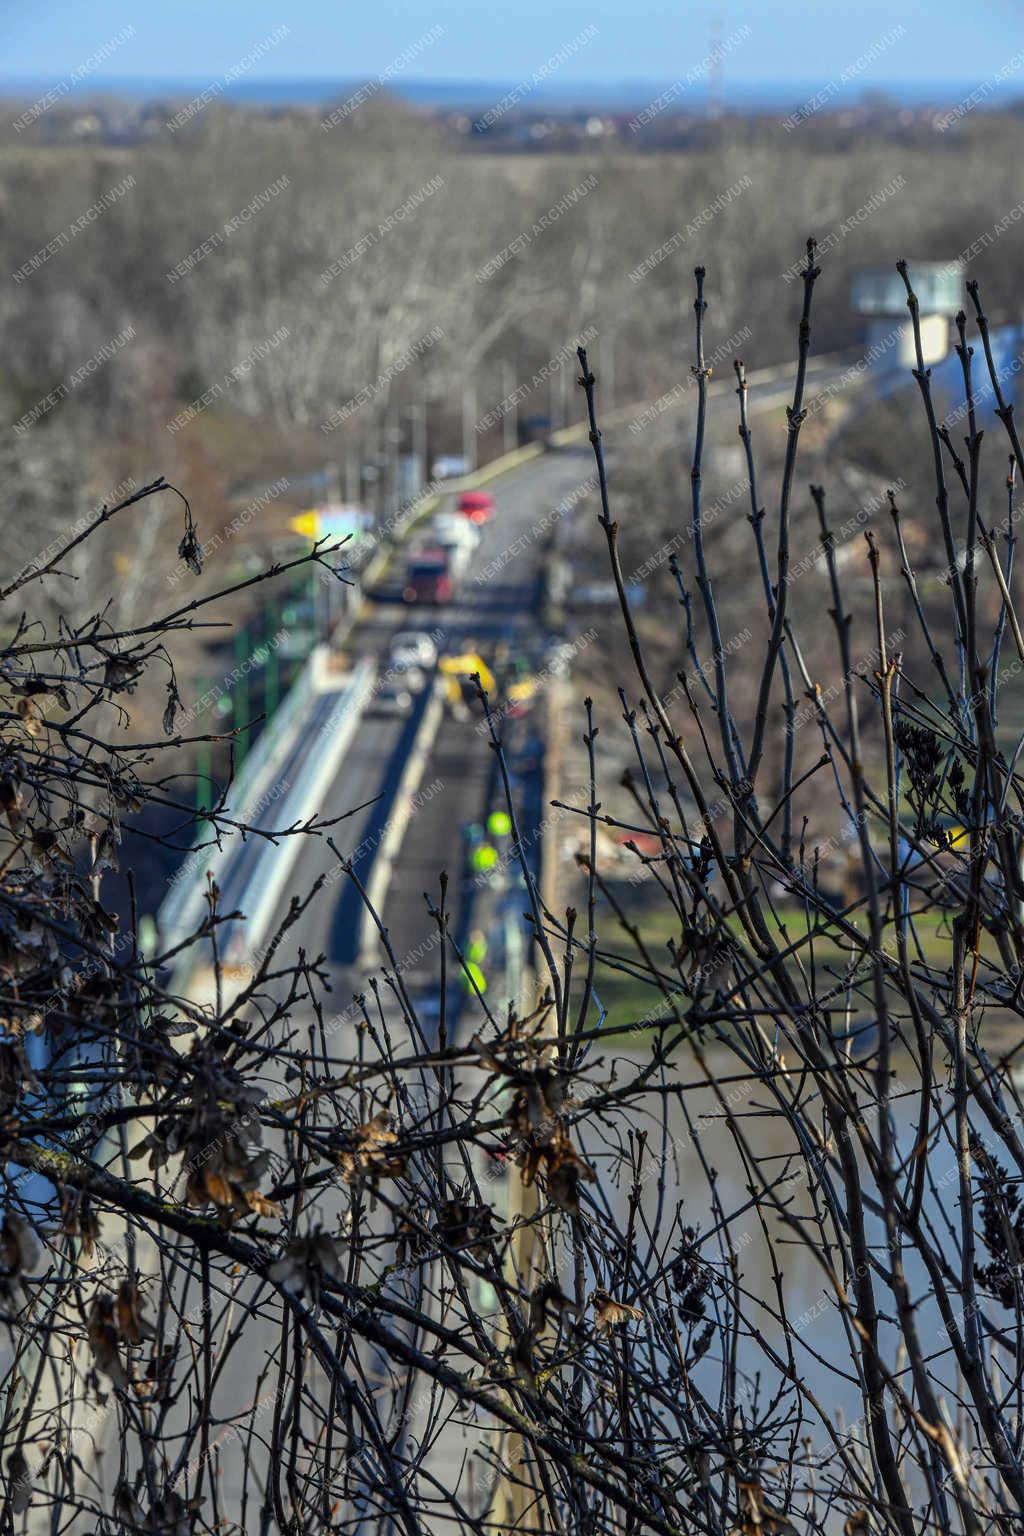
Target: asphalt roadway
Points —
{"points": [[495, 606]]}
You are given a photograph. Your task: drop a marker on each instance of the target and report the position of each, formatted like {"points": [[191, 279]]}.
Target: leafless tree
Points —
{"points": [[303, 1270]]}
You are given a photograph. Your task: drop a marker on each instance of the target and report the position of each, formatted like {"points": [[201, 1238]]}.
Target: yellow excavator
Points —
{"points": [[459, 671]]}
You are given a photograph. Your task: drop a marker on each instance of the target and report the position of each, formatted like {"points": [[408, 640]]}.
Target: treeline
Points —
{"points": [[347, 287]]}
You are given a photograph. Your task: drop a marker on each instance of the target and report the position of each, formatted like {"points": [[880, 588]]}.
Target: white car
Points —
{"points": [[453, 528], [410, 648], [450, 466]]}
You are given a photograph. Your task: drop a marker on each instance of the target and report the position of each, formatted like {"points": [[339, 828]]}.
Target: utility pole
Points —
{"points": [[510, 417], [559, 408], [332, 495], [533, 1241], [392, 440], [352, 482], [204, 755], [271, 671], [469, 425], [240, 695], [607, 363], [376, 459], [418, 413]]}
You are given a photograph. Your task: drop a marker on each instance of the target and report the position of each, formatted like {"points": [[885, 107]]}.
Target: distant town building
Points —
{"points": [[879, 294]]}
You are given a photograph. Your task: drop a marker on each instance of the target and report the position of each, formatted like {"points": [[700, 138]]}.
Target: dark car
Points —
{"points": [[428, 577]]}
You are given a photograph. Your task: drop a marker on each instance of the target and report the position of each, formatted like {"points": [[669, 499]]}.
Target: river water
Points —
{"points": [[692, 1141]]}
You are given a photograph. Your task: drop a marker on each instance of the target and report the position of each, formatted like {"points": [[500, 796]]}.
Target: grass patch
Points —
{"points": [[629, 1000]]}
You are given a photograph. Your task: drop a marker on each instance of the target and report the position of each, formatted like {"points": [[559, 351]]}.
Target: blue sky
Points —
{"points": [[789, 40]]}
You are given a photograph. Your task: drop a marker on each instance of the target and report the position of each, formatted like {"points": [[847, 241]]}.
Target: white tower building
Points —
{"points": [[878, 293]]}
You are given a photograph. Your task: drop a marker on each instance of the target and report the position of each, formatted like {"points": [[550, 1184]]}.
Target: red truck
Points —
{"points": [[478, 506], [428, 577]]}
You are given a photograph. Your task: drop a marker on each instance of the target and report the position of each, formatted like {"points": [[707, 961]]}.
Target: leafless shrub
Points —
{"points": [[390, 1277]]}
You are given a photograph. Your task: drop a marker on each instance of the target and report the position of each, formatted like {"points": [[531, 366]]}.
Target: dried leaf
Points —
{"points": [[545, 1297], [18, 1247], [104, 849], [261, 1205], [11, 801], [31, 719], [189, 548], [19, 1482], [366, 1157], [212, 1186], [156, 1382], [103, 1340], [702, 1343], [80, 1220], [171, 707], [609, 1313], [762, 1519], [305, 1261], [127, 1507], [44, 842], [131, 1325], [465, 1224], [563, 1166], [174, 1515], [121, 674]]}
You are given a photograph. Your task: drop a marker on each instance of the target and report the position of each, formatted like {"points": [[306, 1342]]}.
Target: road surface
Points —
{"points": [[496, 607]]}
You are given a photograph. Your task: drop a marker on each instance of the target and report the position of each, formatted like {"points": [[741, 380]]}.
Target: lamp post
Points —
{"points": [[240, 694], [271, 671], [510, 417], [204, 757], [469, 425]]}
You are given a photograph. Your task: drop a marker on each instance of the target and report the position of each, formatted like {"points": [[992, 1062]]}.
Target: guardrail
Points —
{"points": [[397, 824], [182, 908], [323, 757]]}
